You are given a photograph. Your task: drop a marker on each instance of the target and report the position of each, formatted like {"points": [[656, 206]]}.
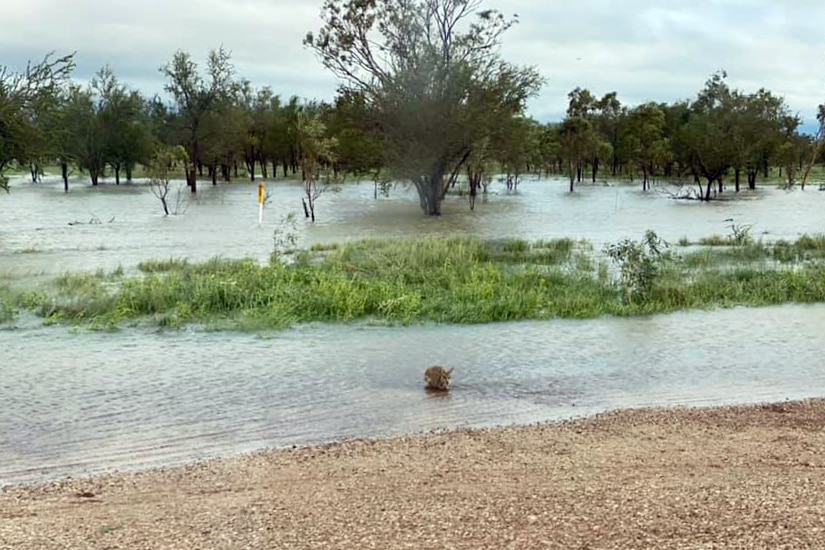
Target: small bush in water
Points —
{"points": [[640, 263]]}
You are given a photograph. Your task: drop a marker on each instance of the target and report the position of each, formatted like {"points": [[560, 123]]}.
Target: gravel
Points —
{"points": [[731, 477]]}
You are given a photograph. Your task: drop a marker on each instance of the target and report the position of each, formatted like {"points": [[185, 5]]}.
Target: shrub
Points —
{"points": [[640, 263]]}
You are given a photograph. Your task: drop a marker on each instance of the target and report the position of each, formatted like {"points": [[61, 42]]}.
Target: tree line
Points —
{"points": [[723, 133], [424, 97]]}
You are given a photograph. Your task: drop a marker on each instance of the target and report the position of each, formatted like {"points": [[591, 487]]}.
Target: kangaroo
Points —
{"points": [[438, 378]]}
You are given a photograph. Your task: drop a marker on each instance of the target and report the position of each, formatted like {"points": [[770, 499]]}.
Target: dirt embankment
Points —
{"points": [[734, 477]]}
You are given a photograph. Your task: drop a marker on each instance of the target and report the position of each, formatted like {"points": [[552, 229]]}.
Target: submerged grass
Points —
{"points": [[8, 304], [805, 249], [401, 281]]}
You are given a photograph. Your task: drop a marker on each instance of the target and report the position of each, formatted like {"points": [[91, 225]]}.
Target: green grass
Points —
{"points": [[805, 249], [715, 240], [402, 281], [8, 305], [162, 266]]}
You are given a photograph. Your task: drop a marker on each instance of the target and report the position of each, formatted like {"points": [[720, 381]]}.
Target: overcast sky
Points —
{"points": [[660, 50]]}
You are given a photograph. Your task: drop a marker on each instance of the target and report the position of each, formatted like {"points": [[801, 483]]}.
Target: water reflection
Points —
{"points": [[83, 403]]}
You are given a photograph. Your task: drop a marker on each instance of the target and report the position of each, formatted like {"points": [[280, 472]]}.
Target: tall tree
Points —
{"points": [[610, 112], [87, 141], [518, 149], [577, 141], [647, 144], [430, 70], [196, 96], [316, 154], [594, 147], [705, 136], [126, 136]]}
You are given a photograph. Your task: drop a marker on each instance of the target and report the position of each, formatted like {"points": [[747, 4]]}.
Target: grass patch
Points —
{"points": [[715, 240], [402, 281], [162, 266], [8, 305], [806, 249]]}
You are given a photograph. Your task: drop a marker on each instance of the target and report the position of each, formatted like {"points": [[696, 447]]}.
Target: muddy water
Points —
{"points": [[78, 403], [75, 404], [36, 236]]}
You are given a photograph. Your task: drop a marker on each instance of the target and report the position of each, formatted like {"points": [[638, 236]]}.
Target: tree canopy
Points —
{"points": [[433, 78], [27, 100]]}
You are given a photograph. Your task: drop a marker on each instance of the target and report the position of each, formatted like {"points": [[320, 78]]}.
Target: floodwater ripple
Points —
{"points": [[78, 404]]}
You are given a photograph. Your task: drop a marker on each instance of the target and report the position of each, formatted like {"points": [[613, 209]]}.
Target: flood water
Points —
{"points": [[76, 403], [36, 237]]}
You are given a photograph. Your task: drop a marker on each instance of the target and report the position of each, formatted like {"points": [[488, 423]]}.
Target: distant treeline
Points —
{"points": [[229, 127]]}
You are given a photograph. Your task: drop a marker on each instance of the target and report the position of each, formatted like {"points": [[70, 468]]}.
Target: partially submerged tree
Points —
{"points": [[433, 78], [317, 154], [87, 133], [196, 97], [645, 142], [818, 144], [161, 168], [26, 98], [518, 149], [127, 142], [577, 141]]}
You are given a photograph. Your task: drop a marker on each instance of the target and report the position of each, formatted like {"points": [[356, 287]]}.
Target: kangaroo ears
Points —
{"points": [[450, 371]]}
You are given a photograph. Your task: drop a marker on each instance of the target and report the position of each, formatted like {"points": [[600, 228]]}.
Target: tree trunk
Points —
{"points": [[250, 165], [191, 178], [737, 174], [117, 173], [189, 167], [752, 173], [431, 192], [64, 172], [475, 180]]}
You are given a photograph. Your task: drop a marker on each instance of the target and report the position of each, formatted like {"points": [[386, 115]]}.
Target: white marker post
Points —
{"points": [[261, 199]]}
